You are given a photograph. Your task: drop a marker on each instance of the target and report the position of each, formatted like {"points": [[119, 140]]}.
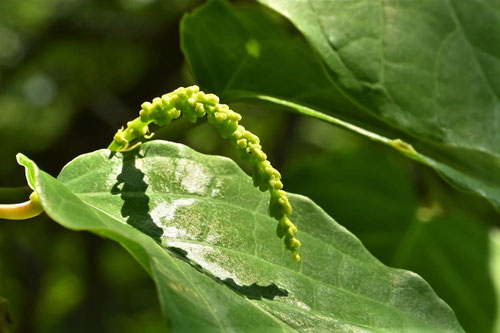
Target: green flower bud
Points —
{"points": [[192, 103]]}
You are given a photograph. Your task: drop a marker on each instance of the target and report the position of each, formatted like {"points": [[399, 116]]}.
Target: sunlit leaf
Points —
{"points": [[201, 229]]}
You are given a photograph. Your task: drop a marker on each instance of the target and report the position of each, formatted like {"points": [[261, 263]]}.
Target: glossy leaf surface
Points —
{"points": [[201, 229]]}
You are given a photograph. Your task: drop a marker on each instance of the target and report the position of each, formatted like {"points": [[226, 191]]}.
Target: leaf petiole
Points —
{"points": [[22, 211]]}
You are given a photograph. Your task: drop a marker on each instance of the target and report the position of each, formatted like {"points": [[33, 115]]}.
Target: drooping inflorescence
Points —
{"points": [[192, 103]]}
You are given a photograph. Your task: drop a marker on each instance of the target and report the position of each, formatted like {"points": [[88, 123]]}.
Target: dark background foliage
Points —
{"points": [[72, 72]]}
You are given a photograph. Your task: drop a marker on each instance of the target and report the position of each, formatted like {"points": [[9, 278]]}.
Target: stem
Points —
{"points": [[22, 211]]}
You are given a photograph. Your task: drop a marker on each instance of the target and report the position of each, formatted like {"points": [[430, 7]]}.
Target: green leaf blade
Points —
{"points": [[421, 73], [405, 62], [201, 229]]}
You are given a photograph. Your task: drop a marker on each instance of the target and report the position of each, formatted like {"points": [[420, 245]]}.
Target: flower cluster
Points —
{"points": [[192, 104]]}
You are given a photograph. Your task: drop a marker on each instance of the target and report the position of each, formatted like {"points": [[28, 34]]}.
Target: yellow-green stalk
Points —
{"points": [[22, 211]]}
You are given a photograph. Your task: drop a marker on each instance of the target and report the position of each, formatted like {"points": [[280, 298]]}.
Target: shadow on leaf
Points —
{"points": [[253, 291], [132, 188]]}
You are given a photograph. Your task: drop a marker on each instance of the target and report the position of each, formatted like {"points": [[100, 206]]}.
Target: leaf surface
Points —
{"points": [[201, 229], [429, 67], [418, 76]]}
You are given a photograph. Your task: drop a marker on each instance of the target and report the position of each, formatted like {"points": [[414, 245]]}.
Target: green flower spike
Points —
{"points": [[192, 103]]}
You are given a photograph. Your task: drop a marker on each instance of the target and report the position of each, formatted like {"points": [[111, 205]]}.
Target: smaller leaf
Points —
{"points": [[201, 229]]}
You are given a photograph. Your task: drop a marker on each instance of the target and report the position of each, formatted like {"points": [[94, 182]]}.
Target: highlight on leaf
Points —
{"points": [[192, 104]]}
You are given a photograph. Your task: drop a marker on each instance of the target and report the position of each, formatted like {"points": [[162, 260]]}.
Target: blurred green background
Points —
{"points": [[73, 71]]}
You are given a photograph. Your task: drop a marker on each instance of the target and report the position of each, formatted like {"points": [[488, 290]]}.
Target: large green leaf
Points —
{"points": [[431, 80], [431, 67], [201, 229]]}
